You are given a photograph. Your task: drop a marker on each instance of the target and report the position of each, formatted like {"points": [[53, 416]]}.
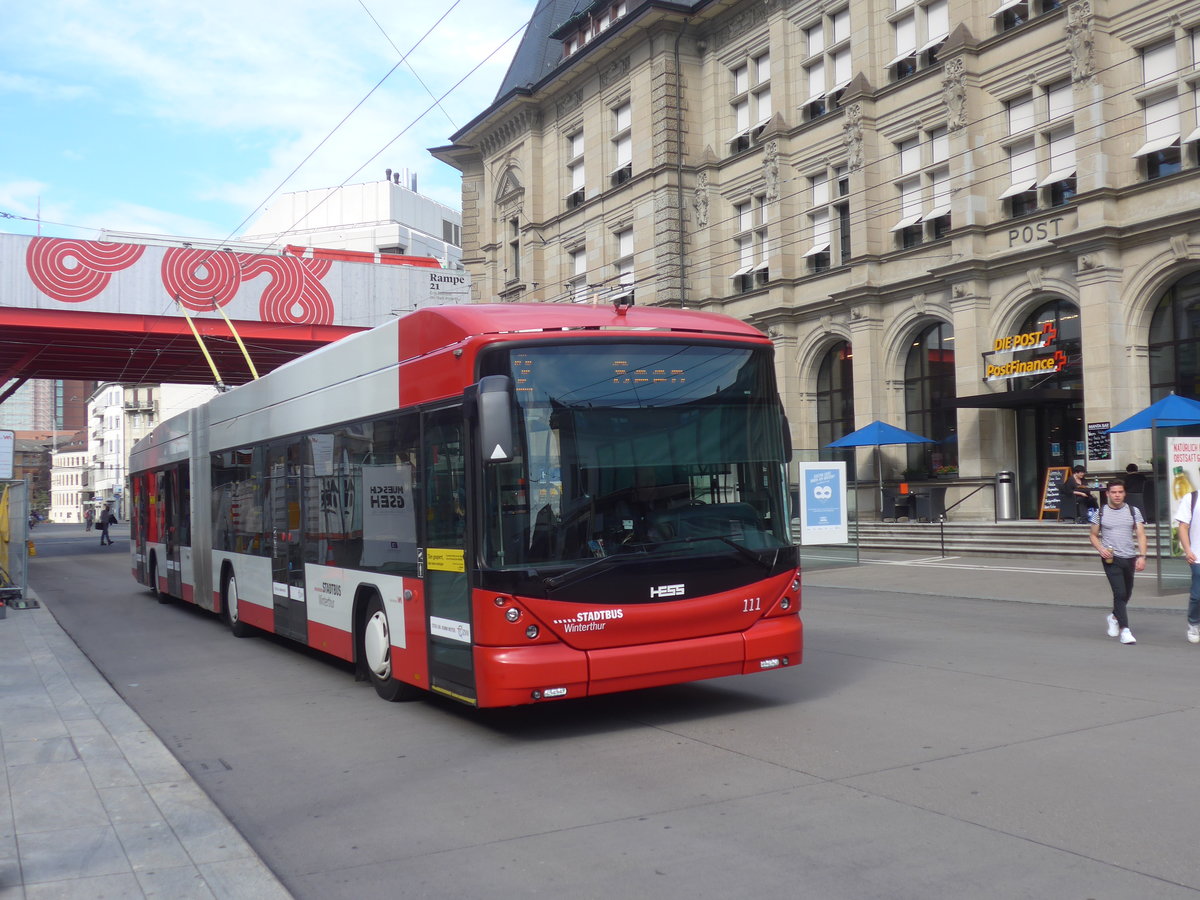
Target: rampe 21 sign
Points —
{"points": [[1019, 368]]}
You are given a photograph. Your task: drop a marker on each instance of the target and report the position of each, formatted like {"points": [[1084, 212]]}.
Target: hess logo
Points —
{"points": [[666, 590], [822, 492]]}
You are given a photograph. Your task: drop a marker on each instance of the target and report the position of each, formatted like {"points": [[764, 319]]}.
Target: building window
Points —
{"points": [[929, 394], [829, 219], [577, 287], [751, 100], [919, 28], [622, 142], [752, 244], [1015, 13], [451, 233], [1160, 154], [923, 188], [575, 170], [835, 402], [827, 66], [1174, 343], [514, 250], [1041, 142], [624, 263]]}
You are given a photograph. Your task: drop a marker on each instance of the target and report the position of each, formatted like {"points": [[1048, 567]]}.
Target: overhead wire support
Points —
{"points": [[199, 340]]}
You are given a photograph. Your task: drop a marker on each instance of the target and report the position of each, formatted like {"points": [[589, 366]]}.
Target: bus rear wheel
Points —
{"points": [[375, 655], [154, 591], [229, 609]]}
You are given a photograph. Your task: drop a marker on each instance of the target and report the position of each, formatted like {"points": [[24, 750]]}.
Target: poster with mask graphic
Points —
{"points": [[823, 503]]}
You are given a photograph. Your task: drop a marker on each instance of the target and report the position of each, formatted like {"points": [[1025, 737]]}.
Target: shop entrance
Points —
{"points": [[1047, 435]]}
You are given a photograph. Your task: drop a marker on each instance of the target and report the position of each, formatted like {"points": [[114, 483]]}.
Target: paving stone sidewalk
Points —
{"points": [[92, 804]]}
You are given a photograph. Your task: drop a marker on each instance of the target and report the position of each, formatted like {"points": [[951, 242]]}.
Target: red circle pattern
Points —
{"points": [[201, 279], [48, 263]]}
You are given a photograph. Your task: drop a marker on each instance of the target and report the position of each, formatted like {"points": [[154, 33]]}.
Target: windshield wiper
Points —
{"points": [[556, 581]]}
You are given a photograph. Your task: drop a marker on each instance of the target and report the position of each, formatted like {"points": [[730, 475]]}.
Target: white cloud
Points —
{"points": [[275, 79]]}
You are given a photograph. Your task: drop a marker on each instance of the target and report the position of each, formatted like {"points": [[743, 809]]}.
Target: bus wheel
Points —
{"points": [[229, 605], [375, 652], [154, 591]]}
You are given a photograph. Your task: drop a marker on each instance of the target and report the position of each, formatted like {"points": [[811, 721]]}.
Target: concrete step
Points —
{"points": [[1031, 538]]}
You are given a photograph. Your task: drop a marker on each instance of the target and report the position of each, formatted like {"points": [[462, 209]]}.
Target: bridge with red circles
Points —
{"points": [[118, 311]]}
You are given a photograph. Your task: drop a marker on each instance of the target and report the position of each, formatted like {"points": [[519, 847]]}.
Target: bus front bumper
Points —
{"points": [[511, 676]]}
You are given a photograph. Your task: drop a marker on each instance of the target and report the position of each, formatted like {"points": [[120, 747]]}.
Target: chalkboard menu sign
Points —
{"points": [[1099, 441], [1052, 490]]}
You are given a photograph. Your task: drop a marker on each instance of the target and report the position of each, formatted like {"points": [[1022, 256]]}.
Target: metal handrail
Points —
{"points": [[942, 516]]}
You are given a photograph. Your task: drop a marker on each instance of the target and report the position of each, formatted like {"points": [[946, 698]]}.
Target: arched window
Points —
{"points": [[835, 401], [1064, 316], [1175, 341], [929, 392]]}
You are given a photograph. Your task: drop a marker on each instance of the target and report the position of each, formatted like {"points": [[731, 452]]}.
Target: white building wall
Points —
{"points": [[375, 216]]}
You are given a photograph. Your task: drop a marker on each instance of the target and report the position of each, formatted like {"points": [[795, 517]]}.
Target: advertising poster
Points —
{"points": [[389, 518], [1183, 477], [823, 503]]}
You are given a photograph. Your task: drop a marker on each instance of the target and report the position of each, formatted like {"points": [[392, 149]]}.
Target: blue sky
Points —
{"points": [[182, 118]]}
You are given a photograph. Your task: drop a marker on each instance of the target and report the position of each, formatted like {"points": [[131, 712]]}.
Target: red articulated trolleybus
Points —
{"points": [[500, 503]]}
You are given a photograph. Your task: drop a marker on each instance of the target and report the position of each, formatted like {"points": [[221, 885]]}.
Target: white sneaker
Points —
{"points": [[1113, 628], [1127, 636], [1194, 634]]}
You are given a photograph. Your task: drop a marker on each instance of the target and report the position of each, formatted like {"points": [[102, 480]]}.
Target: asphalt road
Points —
{"points": [[928, 747]]}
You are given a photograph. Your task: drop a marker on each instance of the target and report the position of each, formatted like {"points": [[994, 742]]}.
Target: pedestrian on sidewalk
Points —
{"points": [[1119, 536], [106, 518], [1189, 540], [88, 514]]}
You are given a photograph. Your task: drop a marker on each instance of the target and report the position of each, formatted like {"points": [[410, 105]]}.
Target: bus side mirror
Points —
{"points": [[495, 418], [787, 437]]}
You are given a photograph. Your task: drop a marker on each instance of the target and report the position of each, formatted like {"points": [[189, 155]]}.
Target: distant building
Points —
{"points": [[120, 415], [69, 480], [378, 216]]}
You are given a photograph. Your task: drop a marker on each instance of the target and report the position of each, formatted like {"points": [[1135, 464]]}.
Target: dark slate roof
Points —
{"points": [[538, 53]]}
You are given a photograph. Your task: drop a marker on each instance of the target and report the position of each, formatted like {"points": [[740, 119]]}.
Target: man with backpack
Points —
{"points": [[1119, 535], [106, 519], [1189, 540]]}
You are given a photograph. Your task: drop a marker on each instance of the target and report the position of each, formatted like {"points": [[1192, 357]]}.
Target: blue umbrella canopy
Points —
{"points": [[878, 433], [1170, 411]]}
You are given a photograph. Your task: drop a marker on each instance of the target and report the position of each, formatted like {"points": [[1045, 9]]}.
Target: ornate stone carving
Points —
{"points": [[568, 103], [615, 72], [852, 134], [954, 94], [1080, 42], [509, 130], [771, 170], [700, 200], [742, 22]]}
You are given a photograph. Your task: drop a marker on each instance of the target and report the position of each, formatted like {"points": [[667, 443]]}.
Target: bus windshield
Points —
{"points": [[636, 448]]}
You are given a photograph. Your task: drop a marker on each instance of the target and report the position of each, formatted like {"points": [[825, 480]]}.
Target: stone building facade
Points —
{"points": [[977, 219]]}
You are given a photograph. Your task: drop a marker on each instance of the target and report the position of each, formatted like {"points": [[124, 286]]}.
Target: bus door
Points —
{"points": [[138, 524], [282, 515], [171, 520], [447, 587]]}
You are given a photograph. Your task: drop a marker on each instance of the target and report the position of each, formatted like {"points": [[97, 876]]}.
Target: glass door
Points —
{"points": [[447, 586], [282, 515]]}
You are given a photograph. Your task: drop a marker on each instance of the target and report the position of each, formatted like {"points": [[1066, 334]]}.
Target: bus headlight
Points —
{"points": [[531, 632], [512, 614]]}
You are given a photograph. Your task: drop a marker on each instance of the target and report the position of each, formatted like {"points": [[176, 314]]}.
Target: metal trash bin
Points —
{"points": [[1006, 497]]}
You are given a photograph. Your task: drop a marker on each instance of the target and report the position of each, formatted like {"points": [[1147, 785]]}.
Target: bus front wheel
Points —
{"points": [[229, 610], [375, 654]]}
